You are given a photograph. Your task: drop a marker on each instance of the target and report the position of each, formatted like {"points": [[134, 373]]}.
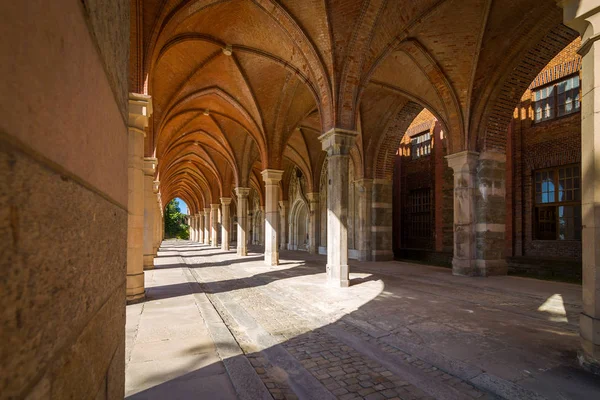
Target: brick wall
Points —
{"points": [[534, 146]]}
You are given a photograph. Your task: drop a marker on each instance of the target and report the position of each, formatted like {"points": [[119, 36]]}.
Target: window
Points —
{"points": [[557, 210], [557, 100], [419, 213], [420, 145]]}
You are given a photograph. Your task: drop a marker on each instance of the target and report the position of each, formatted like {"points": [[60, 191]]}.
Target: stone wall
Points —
{"points": [[63, 198]]}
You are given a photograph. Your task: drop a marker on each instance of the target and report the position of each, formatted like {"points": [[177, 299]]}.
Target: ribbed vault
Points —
{"points": [[239, 86]]}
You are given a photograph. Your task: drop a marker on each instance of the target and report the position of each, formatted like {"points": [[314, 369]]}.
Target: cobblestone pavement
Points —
{"points": [[215, 325]]}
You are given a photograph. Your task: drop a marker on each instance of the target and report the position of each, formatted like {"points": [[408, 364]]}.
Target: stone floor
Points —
{"points": [[217, 326]]}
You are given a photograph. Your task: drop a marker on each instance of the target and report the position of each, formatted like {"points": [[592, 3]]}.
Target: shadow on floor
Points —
{"points": [[464, 330]]}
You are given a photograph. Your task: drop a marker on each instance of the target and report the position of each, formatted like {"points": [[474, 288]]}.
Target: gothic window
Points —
{"points": [[556, 100], [420, 145], [557, 209]]}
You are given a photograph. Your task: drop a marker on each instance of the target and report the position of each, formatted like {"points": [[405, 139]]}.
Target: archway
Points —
{"points": [[299, 226]]}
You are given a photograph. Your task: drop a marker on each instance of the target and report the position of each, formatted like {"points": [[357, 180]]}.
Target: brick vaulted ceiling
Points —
{"points": [[298, 68]]}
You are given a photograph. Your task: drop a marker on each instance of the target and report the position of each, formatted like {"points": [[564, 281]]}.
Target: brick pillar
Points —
{"points": [[271, 177], [584, 16], [479, 213], [225, 223], [207, 226], [364, 197], [381, 220], [140, 109], [337, 143]]}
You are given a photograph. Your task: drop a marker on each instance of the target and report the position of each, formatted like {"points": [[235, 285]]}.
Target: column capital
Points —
{"points": [[201, 214], [272, 176], [207, 210], [156, 186], [140, 110], [338, 142], [364, 184], [312, 196], [226, 201], [242, 191], [577, 14], [150, 164], [463, 160], [284, 203], [214, 206]]}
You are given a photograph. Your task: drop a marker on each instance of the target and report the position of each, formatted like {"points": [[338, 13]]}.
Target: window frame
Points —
{"points": [[555, 171], [421, 145], [415, 209], [554, 99]]}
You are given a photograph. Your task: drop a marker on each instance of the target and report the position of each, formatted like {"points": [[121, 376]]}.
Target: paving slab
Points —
{"points": [[216, 325]]}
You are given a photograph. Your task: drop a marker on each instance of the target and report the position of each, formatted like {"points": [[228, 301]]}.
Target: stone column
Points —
{"points": [[191, 222], [157, 219], [284, 222], [337, 143], [584, 16], [214, 226], [261, 227], [242, 220], [313, 217], [381, 220], [207, 226], [225, 223], [201, 227], [140, 109], [364, 193], [479, 213], [272, 177]]}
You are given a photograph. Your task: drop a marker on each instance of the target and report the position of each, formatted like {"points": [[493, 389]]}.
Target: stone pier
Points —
{"points": [[140, 109], [584, 16], [284, 222], [313, 226], [242, 220], [337, 143], [271, 177], [225, 223], [381, 220], [479, 213], [207, 230], [214, 225]]}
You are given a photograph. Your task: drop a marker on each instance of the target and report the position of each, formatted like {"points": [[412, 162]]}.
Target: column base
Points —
{"points": [[382, 255], [333, 281], [484, 268], [242, 253], [588, 363], [272, 259], [135, 288], [148, 262], [589, 355], [137, 298]]}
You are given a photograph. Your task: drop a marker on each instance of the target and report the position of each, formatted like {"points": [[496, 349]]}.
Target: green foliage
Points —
{"points": [[175, 226]]}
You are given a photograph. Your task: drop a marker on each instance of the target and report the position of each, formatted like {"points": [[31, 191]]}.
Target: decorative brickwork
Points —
{"points": [[520, 79]]}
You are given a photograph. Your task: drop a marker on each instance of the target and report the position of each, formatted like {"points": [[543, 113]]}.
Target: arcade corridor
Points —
{"points": [[214, 324]]}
